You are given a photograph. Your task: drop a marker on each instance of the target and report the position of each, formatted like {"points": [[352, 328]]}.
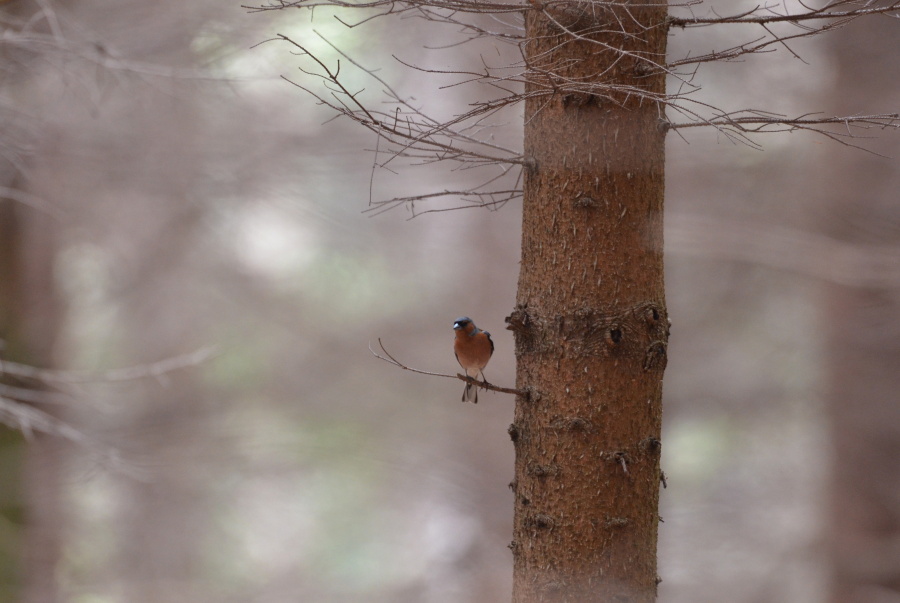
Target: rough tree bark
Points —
{"points": [[590, 322]]}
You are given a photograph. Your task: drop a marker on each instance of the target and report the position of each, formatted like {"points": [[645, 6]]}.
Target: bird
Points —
{"points": [[473, 348]]}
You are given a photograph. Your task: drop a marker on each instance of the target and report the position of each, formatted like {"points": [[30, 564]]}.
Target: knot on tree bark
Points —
{"points": [[639, 332]]}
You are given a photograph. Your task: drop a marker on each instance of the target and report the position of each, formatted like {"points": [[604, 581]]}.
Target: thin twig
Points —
{"points": [[407, 134], [482, 384], [19, 410], [154, 369]]}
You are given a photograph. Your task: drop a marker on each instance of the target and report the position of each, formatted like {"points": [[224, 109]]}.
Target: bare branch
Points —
{"points": [[826, 12], [155, 370], [482, 384], [803, 21], [405, 132], [396, 7], [18, 408], [30, 420], [419, 136], [761, 124], [34, 396]]}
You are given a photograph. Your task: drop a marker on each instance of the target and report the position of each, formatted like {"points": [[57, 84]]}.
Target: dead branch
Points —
{"points": [[414, 133], [835, 19], [18, 410], [34, 396], [30, 420], [761, 124], [395, 7], [482, 384], [405, 132], [155, 370], [490, 199], [826, 12]]}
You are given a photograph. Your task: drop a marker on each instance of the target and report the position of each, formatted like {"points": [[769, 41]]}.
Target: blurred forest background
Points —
{"points": [[165, 191]]}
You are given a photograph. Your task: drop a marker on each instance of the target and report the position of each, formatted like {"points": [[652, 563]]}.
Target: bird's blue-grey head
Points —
{"points": [[461, 323]]}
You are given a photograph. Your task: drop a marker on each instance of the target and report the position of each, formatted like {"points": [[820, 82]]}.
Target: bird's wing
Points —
{"points": [[491, 341]]}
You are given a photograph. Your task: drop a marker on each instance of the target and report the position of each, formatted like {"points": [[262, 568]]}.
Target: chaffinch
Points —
{"points": [[473, 348]]}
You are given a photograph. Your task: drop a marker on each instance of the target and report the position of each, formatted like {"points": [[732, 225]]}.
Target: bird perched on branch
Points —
{"points": [[473, 348]]}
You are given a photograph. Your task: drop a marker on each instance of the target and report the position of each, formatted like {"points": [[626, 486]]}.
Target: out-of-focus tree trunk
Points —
{"points": [[590, 322], [30, 316], [12, 448], [864, 333]]}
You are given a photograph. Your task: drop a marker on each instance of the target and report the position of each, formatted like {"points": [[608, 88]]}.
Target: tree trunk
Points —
{"points": [[30, 316], [12, 445], [590, 322]]}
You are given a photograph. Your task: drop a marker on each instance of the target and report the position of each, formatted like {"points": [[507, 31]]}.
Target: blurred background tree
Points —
{"points": [[862, 214], [180, 195]]}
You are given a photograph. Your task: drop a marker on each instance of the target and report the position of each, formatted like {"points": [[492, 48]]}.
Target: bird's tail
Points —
{"points": [[470, 394]]}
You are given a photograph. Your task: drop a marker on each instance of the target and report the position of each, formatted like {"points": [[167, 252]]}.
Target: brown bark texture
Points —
{"points": [[590, 322]]}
